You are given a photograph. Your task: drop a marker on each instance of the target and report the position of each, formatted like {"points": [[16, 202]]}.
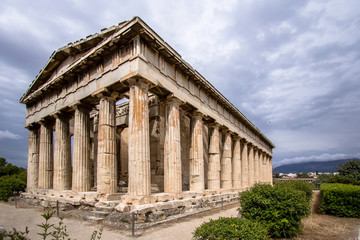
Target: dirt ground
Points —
{"points": [[319, 226], [20, 217], [315, 227]]}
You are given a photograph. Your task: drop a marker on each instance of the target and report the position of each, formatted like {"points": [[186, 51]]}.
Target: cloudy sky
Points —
{"points": [[292, 67]]}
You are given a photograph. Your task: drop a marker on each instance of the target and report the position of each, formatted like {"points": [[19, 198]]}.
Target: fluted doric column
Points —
{"points": [[106, 154], [236, 163], [197, 175], [81, 152], [256, 165], [139, 140], [172, 148], [62, 153], [261, 175], [244, 165], [95, 148], [251, 165], [33, 158], [46, 155], [226, 165], [270, 171], [214, 159]]}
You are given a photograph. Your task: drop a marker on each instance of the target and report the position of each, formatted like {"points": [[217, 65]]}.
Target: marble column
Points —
{"points": [[62, 154], [33, 158], [265, 171], [261, 167], [214, 158], [256, 165], [106, 154], [172, 148], [236, 163], [226, 165], [46, 155], [197, 175], [244, 165], [139, 140], [251, 165], [81, 150], [95, 148], [270, 171], [264, 167]]}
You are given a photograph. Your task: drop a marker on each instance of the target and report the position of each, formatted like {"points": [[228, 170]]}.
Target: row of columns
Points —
{"points": [[238, 165]]}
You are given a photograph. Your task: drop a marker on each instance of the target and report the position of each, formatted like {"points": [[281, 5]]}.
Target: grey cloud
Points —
{"points": [[312, 46]]}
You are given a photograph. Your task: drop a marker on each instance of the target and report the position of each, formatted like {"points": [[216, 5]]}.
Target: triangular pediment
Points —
{"points": [[65, 57]]}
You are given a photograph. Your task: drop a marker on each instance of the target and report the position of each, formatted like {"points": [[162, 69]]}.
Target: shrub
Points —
{"points": [[10, 185], [298, 185], [12, 179], [280, 209], [230, 228], [341, 200]]}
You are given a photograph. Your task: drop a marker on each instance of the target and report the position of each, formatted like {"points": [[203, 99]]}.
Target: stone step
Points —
{"points": [[93, 219], [104, 209], [99, 214]]}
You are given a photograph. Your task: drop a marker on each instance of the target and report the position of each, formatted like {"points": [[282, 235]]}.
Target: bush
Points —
{"points": [[298, 185], [12, 179], [230, 228], [10, 185], [341, 200], [280, 209]]}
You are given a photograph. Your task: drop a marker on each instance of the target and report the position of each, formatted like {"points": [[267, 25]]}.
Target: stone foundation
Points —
{"points": [[117, 209]]}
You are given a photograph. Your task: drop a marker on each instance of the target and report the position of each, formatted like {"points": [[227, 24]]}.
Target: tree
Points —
{"points": [[12, 179], [3, 162], [303, 175], [350, 169], [277, 175]]}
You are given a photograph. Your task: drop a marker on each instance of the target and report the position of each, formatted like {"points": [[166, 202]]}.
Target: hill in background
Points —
{"points": [[306, 167]]}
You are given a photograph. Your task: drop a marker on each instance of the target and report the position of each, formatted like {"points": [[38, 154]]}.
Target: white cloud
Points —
{"points": [[6, 134], [318, 158]]}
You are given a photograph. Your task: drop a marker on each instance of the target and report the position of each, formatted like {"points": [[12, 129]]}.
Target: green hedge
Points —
{"points": [[341, 200], [279, 208], [305, 187], [230, 228]]}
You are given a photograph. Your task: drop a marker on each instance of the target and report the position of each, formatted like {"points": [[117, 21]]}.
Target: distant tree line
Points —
{"points": [[349, 173]]}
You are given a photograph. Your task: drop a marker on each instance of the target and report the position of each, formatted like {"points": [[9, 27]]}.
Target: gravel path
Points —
{"points": [[20, 217]]}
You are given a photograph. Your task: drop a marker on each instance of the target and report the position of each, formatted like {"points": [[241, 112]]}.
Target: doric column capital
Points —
{"points": [[140, 82], [224, 130], [214, 125], [81, 105], [236, 137], [48, 121], [62, 115], [107, 93], [243, 141], [32, 126], [196, 115], [171, 99]]}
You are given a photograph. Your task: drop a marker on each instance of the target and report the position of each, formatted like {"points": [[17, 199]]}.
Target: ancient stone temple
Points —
{"points": [[120, 117]]}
